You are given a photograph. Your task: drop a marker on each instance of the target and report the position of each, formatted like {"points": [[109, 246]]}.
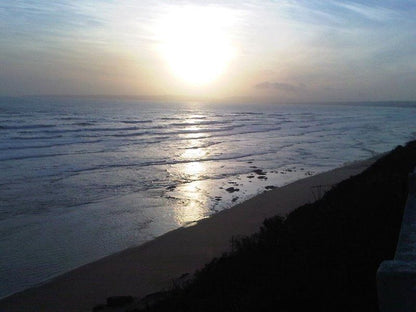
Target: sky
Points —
{"points": [[230, 50]]}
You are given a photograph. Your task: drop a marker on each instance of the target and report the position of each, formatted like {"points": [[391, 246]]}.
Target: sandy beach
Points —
{"points": [[153, 266]]}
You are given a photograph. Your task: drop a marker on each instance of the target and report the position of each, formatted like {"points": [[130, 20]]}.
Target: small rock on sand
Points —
{"points": [[171, 187], [259, 172], [232, 189]]}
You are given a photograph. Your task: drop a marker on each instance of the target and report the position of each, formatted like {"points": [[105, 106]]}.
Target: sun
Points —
{"points": [[194, 43]]}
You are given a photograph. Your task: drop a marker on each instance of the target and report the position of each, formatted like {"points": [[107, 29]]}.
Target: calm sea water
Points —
{"points": [[83, 178]]}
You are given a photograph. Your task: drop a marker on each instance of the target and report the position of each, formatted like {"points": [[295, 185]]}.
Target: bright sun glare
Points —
{"points": [[195, 43]]}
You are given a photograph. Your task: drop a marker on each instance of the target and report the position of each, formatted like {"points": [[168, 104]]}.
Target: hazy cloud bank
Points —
{"points": [[280, 86]]}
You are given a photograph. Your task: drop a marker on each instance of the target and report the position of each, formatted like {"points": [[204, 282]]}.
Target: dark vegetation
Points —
{"points": [[322, 257]]}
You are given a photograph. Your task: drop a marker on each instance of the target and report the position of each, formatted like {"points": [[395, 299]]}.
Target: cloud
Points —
{"points": [[324, 43], [371, 12], [280, 86]]}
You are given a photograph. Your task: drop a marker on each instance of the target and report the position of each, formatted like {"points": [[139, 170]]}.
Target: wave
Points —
{"points": [[137, 131], [101, 129], [91, 130], [207, 134], [33, 156], [206, 145], [28, 127], [83, 124], [37, 137], [71, 118], [167, 162], [136, 121], [246, 114], [202, 123], [170, 118], [19, 147], [177, 132], [239, 133]]}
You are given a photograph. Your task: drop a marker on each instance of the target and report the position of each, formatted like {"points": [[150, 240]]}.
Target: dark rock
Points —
{"points": [[99, 307], [234, 199], [270, 187], [119, 301], [151, 299], [232, 189], [184, 275], [259, 172], [171, 187]]}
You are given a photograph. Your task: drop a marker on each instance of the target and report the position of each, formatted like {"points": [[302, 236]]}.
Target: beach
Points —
{"points": [[154, 266]]}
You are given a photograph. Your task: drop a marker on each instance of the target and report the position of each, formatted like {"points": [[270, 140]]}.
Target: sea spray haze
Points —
{"points": [[81, 178]]}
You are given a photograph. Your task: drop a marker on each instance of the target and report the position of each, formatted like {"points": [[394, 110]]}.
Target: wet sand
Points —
{"points": [[155, 265]]}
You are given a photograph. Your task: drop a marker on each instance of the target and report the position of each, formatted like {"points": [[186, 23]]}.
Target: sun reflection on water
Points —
{"points": [[194, 204], [193, 170], [194, 208]]}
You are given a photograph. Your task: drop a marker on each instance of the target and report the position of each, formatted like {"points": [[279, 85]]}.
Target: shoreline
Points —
{"points": [[153, 266]]}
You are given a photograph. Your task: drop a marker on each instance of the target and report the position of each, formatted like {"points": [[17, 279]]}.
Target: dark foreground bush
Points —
{"points": [[323, 257]]}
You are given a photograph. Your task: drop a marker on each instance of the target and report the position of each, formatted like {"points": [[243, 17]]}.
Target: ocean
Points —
{"points": [[81, 178]]}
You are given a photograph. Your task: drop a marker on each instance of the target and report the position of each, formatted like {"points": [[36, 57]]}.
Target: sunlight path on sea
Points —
{"points": [[196, 206]]}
